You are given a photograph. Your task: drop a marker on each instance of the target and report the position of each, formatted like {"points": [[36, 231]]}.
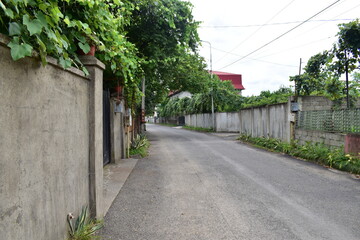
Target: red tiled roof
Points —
{"points": [[234, 78]]}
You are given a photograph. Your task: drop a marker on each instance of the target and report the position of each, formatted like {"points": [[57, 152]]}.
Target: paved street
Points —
{"points": [[205, 187]]}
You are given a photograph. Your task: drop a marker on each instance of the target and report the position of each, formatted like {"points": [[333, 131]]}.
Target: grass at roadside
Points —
{"points": [[314, 152], [139, 146], [199, 129]]}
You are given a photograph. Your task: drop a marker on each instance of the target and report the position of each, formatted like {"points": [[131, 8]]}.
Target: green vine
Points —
{"points": [[62, 28]]}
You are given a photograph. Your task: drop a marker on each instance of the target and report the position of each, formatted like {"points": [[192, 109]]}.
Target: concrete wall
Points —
{"points": [[199, 120], [330, 139], [227, 122], [118, 145], [47, 129], [269, 121], [313, 103]]}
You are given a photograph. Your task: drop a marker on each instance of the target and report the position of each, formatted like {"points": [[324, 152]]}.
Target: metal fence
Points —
{"points": [[345, 121]]}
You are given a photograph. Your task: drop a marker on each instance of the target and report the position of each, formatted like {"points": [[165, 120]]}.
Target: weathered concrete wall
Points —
{"points": [[246, 121], [44, 147], [330, 139], [199, 120], [279, 117], [316, 103], [313, 103], [269, 121], [118, 147], [227, 122]]}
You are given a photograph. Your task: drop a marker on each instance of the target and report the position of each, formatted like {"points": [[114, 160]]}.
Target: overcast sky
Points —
{"points": [[241, 35]]}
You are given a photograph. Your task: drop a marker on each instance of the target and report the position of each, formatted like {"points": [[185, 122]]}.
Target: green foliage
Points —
{"points": [[323, 70], [266, 97], [165, 34], [62, 28], [139, 146], [314, 77], [84, 228], [199, 129], [226, 99], [315, 152]]}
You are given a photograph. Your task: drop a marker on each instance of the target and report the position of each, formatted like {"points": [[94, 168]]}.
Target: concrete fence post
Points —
{"points": [[95, 68]]}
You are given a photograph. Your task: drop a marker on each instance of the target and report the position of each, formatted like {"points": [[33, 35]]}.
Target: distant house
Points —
{"points": [[236, 79], [180, 95]]}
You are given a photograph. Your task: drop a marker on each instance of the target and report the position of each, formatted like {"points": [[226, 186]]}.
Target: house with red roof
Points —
{"points": [[236, 79]]}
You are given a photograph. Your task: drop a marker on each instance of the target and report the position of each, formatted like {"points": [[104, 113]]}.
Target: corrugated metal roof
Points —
{"points": [[236, 79]]}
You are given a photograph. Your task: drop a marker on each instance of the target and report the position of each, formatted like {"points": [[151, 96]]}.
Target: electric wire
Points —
{"points": [[310, 30], [258, 29], [275, 24], [254, 59], [268, 43]]}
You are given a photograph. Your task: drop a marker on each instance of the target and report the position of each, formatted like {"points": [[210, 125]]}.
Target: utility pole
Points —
{"points": [[295, 89], [347, 80], [212, 92], [143, 126]]}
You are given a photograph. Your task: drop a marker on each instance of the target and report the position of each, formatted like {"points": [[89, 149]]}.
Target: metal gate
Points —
{"points": [[106, 127], [181, 120]]}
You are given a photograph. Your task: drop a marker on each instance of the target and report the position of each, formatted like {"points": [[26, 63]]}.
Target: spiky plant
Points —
{"points": [[84, 227]]}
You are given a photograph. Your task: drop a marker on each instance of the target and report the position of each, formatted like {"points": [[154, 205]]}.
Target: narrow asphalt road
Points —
{"points": [[200, 186]]}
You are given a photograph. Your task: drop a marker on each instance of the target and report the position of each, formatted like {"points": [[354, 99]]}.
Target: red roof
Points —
{"points": [[234, 78]]}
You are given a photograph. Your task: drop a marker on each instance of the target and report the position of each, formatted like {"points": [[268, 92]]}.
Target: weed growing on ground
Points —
{"points": [[84, 227], [139, 146]]}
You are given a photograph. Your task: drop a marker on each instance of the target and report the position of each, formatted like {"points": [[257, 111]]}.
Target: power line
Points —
{"points": [[281, 35], [324, 22], [274, 24], [253, 59], [298, 46], [287, 5]]}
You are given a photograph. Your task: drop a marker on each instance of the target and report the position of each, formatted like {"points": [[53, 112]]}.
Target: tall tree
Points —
{"points": [[165, 34], [323, 70]]}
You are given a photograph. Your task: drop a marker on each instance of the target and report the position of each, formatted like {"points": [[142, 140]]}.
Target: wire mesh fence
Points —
{"points": [[345, 120]]}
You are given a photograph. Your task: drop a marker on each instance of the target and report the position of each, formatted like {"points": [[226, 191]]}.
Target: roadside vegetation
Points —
{"points": [[314, 152], [84, 228], [139, 146], [199, 129]]}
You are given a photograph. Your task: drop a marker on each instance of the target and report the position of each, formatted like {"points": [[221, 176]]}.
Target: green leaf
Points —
{"points": [[84, 47], [9, 13], [42, 18], [33, 26], [84, 69], [67, 20], [19, 51], [65, 63], [14, 29]]}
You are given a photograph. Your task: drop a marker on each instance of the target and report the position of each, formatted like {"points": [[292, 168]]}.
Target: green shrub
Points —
{"points": [[315, 152]]}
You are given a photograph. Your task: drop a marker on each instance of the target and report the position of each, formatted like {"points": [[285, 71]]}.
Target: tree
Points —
{"points": [[165, 35], [313, 79], [226, 99], [323, 71]]}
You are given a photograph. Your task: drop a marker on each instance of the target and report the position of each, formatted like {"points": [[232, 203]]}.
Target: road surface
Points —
{"points": [[201, 186]]}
